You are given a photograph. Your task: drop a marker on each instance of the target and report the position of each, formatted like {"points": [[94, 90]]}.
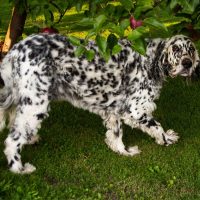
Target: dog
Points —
{"points": [[43, 67]]}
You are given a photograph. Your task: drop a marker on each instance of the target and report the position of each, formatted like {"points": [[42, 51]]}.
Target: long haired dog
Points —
{"points": [[44, 67]]}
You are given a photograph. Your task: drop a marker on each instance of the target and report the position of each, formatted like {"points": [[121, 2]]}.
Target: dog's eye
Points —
{"points": [[191, 49], [175, 48]]}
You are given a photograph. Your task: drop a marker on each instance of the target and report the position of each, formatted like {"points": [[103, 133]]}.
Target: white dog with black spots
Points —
{"points": [[44, 67]]}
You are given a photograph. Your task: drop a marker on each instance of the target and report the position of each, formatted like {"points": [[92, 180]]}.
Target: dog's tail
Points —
{"points": [[6, 83], [6, 98]]}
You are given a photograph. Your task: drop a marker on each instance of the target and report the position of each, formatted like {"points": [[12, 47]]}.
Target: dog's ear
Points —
{"points": [[196, 73], [165, 63], [159, 65]]}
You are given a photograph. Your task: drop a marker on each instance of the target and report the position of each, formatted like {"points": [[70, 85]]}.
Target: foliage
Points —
{"points": [[106, 20]]}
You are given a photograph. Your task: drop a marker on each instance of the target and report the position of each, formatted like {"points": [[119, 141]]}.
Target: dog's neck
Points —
{"points": [[158, 66], [153, 64]]}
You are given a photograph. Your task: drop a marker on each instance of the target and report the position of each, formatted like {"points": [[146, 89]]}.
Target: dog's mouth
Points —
{"points": [[183, 72]]}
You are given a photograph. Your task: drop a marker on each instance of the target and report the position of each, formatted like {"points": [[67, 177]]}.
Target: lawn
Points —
{"points": [[73, 162], [5, 14]]}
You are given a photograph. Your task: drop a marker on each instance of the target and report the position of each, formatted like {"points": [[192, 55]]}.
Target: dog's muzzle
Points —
{"points": [[186, 63], [187, 67]]}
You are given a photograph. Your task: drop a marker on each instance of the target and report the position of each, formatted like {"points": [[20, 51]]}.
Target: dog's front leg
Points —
{"points": [[154, 129]]}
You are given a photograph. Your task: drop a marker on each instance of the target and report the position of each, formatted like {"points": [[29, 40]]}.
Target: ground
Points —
{"points": [[74, 163]]}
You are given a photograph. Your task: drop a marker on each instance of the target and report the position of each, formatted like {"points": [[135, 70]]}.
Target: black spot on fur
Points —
{"points": [[41, 116], [164, 139], [16, 158], [151, 123], [25, 101], [10, 163]]}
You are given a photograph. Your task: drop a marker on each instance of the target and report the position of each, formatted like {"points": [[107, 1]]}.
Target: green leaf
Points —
{"points": [[90, 54], [79, 51], [92, 8], [139, 46], [111, 26], [154, 23], [137, 33], [51, 16], [173, 3], [101, 43], [99, 21], [115, 29], [90, 34], [171, 21], [86, 22], [79, 6], [48, 17], [74, 40], [116, 49], [106, 55], [110, 10], [102, 46], [189, 6], [134, 35], [143, 6], [197, 25], [124, 24], [127, 4], [111, 41]]}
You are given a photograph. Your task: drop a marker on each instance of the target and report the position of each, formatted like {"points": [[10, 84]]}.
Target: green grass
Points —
{"points": [[5, 15], [32, 26], [73, 162]]}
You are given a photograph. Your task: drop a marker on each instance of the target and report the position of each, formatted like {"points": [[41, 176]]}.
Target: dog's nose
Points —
{"points": [[187, 63]]}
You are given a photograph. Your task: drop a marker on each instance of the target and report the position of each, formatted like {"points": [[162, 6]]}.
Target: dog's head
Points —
{"points": [[181, 56]]}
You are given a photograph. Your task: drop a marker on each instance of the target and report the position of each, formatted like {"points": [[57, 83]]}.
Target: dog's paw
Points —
{"points": [[118, 147], [170, 137], [131, 151], [28, 168], [34, 139], [19, 169], [167, 138]]}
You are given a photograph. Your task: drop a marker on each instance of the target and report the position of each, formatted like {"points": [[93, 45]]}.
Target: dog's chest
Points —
{"points": [[140, 94]]}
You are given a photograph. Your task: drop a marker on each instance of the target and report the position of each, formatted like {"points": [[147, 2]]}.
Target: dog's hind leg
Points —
{"points": [[12, 115], [2, 119], [5, 102], [26, 124], [114, 137]]}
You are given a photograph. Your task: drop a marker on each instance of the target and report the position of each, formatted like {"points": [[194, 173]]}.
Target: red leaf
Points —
{"points": [[49, 30], [134, 23]]}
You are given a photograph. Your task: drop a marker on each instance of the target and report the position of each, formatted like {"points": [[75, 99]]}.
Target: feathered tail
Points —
{"points": [[6, 93], [6, 98]]}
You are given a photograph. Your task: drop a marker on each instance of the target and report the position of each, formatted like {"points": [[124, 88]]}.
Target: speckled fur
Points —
{"points": [[43, 67]]}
